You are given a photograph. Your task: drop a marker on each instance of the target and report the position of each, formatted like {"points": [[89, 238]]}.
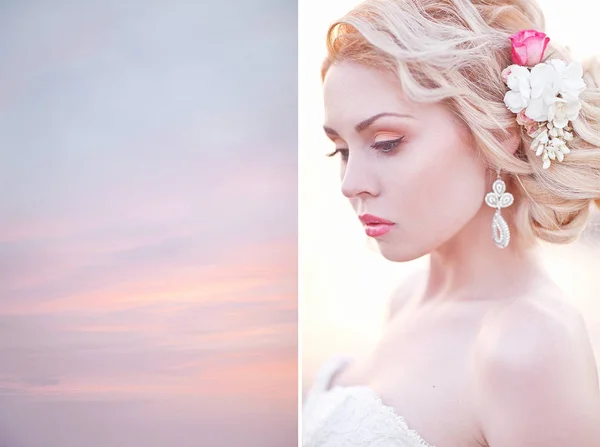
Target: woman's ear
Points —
{"points": [[513, 140]]}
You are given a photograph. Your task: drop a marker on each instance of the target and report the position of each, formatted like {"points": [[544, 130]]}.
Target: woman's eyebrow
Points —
{"points": [[363, 125]]}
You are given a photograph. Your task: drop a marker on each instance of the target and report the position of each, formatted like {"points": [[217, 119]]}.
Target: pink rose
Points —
{"points": [[528, 47], [529, 124]]}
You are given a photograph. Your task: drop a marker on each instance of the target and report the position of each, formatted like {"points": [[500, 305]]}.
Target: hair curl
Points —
{"points": [[453, 51]]}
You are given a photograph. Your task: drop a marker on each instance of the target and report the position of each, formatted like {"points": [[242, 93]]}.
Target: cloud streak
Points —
{"points": [[148, 224]]}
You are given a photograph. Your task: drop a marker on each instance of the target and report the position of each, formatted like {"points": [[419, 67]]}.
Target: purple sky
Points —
{"points": [[148, 223]]}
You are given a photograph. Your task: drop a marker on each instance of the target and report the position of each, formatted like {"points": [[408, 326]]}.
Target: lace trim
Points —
{"points": [[322, 402], [390, 412]]}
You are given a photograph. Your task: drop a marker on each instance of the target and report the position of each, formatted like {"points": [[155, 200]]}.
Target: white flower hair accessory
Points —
{"points": [[544, 95]]}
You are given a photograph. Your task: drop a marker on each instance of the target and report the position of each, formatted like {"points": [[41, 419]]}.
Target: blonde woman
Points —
{"points": [[465, 133]]}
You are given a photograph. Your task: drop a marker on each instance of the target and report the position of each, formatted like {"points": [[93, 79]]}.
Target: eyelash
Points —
{"points": [[386, 147], [343, 152]]}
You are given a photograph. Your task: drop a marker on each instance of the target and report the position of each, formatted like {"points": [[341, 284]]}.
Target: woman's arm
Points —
{"points": [[537, 379]]}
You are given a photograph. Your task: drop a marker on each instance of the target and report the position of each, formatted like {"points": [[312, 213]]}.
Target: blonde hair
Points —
{"points": [[453, 51]]}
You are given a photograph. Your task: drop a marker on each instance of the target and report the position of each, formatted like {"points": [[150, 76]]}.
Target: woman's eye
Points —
{"points": [[341, 151], [387, 145]]}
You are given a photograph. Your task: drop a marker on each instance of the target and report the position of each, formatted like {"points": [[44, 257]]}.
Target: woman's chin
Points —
{"points": [[398, 252]]}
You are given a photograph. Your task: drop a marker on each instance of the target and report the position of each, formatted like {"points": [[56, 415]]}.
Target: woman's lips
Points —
{"points": [[377, 230], [375, 226]]}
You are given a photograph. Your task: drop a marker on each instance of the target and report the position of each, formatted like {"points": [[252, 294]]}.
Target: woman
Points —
{"points": [[464, 133]]}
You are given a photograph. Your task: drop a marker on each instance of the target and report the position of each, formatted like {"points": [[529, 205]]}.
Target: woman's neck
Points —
{"points": [[471, 267]]}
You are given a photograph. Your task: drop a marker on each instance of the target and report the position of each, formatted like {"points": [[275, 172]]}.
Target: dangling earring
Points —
{"points": [[499, 199]]}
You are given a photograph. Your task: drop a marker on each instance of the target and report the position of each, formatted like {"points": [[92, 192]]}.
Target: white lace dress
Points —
{"points": [[351, 416]]}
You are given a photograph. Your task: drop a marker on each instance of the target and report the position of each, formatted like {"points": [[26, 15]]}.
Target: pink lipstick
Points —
{"points": [[375, 226]]}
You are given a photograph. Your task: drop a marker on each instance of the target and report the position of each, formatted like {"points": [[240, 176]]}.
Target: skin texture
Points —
{"points": [[481, 349]]}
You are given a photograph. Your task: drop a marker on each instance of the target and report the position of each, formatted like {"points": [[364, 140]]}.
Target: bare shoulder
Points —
{"points": [[534, 363], [533, 331], [405, 291]]}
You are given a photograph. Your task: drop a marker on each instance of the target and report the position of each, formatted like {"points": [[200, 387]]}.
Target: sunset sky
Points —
{"points": [[148, 223]]}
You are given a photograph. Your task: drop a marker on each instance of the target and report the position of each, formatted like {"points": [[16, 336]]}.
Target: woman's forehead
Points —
{"points": [[352, 86]]}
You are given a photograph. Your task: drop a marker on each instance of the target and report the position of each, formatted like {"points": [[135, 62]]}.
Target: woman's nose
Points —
{"points": [[358, 179]]}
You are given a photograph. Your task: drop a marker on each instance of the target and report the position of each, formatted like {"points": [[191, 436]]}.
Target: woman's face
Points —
{"points": [[410, 165]]}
